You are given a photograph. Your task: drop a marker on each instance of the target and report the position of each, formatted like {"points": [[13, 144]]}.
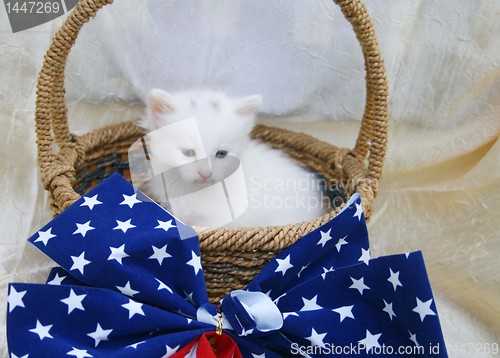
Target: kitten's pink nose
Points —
{"points": [[205, 175]]}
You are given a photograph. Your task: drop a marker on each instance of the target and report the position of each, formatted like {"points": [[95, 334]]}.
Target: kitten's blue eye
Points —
{"points": [[188, 152], [221, 154]]}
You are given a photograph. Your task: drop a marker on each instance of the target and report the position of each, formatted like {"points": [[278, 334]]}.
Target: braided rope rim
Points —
{"points": [[58, 169]]}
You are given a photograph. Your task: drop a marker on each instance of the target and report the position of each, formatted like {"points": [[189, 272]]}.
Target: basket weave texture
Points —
{"points": [[231, 256]]}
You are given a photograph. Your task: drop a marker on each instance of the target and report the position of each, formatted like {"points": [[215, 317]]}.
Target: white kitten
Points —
{"points": [[214, 174]]}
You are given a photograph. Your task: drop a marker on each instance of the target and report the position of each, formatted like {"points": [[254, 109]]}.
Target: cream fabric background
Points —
{"points": [[440, 191]]}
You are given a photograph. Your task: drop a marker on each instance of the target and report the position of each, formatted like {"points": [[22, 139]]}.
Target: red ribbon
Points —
{"points": [[211, 345]]}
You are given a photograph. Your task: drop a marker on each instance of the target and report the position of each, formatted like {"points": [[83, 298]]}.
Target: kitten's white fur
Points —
{"points": [[198, 134]]}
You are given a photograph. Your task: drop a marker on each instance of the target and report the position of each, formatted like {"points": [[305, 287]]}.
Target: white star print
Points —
{"points": [[359, 211], [165, 225], [413, 338], [45, 236], [91, 202], [316, 338], [389, 310], [195, 262], [57, 280], [394, 279], [135, 345], [100, 334], [163, 286], [310, 305], [302, 269], [325, 237], [359, 285], [12, 355], [74, 301], [189, 297], [325, 271], [280, 297], [133, 308], [127, 290], [283, 265], [15, 298], [42, 331], [344, 312], [365, 256], [160, 254], [118, 253], [79, 353], [254, 355], [124, 225], [424, 309], [82, 229], [130, 200], [79, 262], [341, 242], [246, 332], [370, 341], [170, 351], [287, 314]]}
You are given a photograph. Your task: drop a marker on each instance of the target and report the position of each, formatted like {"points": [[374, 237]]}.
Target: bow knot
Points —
{"points": [[251, 313]]}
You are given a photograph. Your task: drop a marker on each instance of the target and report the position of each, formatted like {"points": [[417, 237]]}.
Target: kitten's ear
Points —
{"points": [[248, 105], [160, 104]]}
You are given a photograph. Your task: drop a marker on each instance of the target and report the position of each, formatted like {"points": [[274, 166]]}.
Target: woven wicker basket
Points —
{"points": [[231, 256]]}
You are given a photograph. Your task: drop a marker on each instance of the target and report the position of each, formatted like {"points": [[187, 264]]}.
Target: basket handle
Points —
{"points": [[51, 110], [372, 136]]}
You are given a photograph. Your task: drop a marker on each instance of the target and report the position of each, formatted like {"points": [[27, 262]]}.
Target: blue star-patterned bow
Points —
{"points": [[131, 285]]}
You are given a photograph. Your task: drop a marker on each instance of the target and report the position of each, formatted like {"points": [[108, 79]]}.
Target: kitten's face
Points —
{"points": [[198, 136]]}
